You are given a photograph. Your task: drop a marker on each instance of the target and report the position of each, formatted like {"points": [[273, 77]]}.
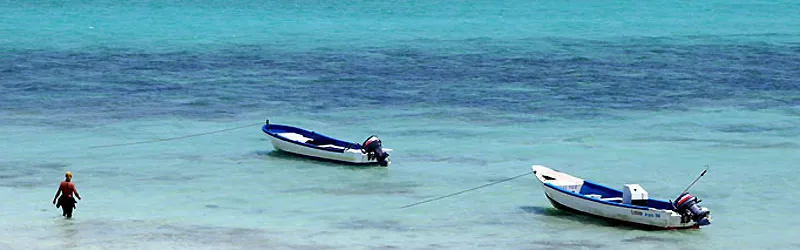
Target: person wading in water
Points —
{"points": [[66, 189]]}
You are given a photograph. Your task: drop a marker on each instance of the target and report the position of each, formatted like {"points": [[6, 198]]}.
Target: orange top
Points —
{"points": [[67, 188]]}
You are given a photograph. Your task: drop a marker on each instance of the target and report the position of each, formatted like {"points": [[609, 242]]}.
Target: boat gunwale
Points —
{"points": [[562, 190], [266, 129]]}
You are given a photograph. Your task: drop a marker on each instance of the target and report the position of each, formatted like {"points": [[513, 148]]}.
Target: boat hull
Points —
{"points": [[352, 156], [566, 196]]}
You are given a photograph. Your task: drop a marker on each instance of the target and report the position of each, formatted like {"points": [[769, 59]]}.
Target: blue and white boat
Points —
{"points": [[314, 145], [630, 205]]}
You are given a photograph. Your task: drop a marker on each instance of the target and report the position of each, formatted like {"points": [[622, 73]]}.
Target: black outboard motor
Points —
{"points": [[687, 206], [372, 147]]}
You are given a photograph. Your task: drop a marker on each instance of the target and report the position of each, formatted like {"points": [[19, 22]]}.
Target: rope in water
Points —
{"points": [[464, 191], [174, 138]]}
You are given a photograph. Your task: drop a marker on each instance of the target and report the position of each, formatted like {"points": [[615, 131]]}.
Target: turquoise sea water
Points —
{"points": [[466, 93]]}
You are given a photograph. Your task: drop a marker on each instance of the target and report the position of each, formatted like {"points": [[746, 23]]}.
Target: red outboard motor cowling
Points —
{"points": [[687, 206], [374, 150]]}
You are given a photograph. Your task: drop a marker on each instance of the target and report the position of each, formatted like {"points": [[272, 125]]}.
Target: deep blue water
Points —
{"points": [[578, 79]]}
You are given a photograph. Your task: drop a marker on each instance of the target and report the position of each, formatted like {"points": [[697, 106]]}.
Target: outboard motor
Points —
{"points": [[372, 147], [687, 206]]}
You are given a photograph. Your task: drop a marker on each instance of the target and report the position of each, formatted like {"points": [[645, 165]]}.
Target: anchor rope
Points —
{"points": [[174, 138], [464, 191]]}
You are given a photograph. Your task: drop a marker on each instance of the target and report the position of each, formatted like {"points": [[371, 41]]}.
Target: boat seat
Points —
{"points": [[330, 146], [596, 196], [295, 137], [612, 199], [600, 197]]}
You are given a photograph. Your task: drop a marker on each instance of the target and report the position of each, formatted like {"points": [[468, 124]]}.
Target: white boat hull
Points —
{"points": [[354, 156], [564, 193]]}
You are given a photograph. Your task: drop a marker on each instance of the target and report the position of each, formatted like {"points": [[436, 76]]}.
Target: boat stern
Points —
{"points": [[373, 147]]}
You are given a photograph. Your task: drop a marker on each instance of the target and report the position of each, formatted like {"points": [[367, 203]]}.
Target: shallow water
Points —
{"points": [[465, 93]]}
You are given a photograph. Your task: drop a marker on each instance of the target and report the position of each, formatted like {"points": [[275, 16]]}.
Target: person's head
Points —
{"points": [[68, 175]]}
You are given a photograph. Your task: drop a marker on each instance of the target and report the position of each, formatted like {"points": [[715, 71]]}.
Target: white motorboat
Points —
{"points": [[314, 145], [631, 205]]}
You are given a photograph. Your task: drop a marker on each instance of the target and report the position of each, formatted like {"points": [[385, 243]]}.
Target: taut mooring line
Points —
{"points": [[173, 138], [464, 191]]}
